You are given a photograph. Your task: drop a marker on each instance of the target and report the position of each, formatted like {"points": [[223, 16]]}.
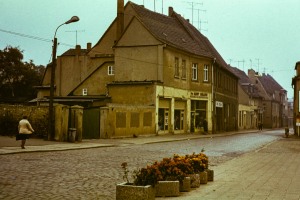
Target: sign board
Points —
{"points": [[297, 121], [219, 104]]}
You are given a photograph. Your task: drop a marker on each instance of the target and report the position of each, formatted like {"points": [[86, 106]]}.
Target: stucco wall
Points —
{"points": [[127, 121]]}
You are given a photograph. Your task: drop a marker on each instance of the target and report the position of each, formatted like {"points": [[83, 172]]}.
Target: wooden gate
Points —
{"points": [[91, 123]]}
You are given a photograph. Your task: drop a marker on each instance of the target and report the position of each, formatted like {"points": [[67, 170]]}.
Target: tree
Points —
{"points": [[18, 78]]}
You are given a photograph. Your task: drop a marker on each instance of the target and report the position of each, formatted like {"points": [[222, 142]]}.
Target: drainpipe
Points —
{"points": [[213, 109]]}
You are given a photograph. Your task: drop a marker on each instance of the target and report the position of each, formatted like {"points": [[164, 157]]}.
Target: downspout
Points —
{"points": [[213, 110]]}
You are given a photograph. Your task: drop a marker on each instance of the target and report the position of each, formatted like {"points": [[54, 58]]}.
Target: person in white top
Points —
{"points": [[25, 130]]}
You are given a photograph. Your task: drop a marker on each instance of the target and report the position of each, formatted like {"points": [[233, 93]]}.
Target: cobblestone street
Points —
{"points": [[94, 173]]}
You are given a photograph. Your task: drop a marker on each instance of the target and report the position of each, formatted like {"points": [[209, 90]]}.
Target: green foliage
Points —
{"points": [[18, 78], [8, 124]]}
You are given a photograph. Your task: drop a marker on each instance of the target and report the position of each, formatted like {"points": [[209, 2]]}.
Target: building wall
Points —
{"points": [[95, 84]]}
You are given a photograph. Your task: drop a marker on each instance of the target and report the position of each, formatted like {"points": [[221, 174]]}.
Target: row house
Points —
{"points": [[296, 105], [250, 111], [274, 108], [148, 74]]}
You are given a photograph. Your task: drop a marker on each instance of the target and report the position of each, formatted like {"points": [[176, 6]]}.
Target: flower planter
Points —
{"points": [[185, 185], [167, 189], [210, 175], [128, 191], [203, 177], [195, 180]]}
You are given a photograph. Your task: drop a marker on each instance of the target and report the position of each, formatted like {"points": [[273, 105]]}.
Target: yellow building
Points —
{"points": [[149, 74]]}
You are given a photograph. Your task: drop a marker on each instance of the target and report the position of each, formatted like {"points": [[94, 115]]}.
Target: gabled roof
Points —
{"points": [[170, 30], [73, 52], [245, 82], [269, 84], [176, 31]]}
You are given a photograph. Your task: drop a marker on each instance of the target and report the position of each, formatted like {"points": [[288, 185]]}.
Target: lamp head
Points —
{"points": [[73, 19]]}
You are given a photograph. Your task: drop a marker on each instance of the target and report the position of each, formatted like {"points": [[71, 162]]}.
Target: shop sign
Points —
{"points": [[219, 104]]}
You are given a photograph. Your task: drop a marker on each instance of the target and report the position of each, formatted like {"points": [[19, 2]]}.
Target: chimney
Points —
{"points": [[88, 46], [170, 11], [77, 50], [297, 68], [120, 18]]}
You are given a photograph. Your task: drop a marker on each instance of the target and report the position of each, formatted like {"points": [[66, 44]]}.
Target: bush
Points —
{"points": [[9, 125]]}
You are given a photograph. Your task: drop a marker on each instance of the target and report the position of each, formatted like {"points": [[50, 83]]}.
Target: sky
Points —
{"points": [[263, 35]]}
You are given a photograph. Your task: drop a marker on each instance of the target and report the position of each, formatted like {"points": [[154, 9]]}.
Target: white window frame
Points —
{"points": [[110, 70], [195, 71], [205, 78]]}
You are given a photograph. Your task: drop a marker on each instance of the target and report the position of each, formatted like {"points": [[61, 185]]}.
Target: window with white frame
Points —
{"points": [[195, 71], [110, 70], [205, 78]]}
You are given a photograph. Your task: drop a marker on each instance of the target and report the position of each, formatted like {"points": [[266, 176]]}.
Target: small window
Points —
{"points": [[205, 78], [176, 65], [110, 70], [195, 71], [183, 66], [84, 91]]}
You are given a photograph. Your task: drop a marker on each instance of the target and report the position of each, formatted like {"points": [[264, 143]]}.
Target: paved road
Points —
{"points": [[93, 173]]}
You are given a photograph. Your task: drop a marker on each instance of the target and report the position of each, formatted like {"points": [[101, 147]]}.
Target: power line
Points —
{"points": [[32, 37]]}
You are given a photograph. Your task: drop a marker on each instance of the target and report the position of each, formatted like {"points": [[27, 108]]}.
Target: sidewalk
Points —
{"points": [[269, 173], [9, 145]]}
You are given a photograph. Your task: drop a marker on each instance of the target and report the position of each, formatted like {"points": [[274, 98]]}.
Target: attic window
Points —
{"points": [[183, 40], [165, 34]]}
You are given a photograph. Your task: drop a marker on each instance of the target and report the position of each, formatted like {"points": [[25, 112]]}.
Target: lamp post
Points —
{"points": [[51, 112]]}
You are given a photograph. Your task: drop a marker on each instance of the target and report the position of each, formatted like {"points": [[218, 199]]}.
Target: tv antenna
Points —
{"points": [[76, 31]]}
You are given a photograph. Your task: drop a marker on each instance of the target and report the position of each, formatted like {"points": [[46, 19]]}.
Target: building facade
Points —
{"points": [[149, 74]]}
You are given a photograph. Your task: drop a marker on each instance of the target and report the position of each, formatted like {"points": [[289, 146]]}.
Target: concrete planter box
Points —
{"points": [[195, 180], [185, 185], [203, 177], [167, 189], [127, 191], [210, 175]]}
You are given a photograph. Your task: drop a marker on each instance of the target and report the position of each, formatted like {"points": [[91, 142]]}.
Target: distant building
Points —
{"points": [[274, 112], [296, 86]]}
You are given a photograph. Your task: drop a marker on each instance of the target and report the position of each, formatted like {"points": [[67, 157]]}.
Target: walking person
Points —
{"points": [[25, 130]]}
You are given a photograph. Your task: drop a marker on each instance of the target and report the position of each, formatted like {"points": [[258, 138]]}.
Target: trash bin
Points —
{"points": [[72, 134]]}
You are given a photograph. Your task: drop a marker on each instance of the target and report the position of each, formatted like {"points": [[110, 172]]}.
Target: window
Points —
{"points": [[195, 71], [110, 70], [84, 91], [205, 78], [176, 67], [183, 66]]}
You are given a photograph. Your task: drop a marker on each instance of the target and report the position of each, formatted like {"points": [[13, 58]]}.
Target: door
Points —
{"points": [[91, 123]]}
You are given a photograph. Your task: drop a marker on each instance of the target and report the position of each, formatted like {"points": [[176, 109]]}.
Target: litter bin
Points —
{"points": [[72, 134]]}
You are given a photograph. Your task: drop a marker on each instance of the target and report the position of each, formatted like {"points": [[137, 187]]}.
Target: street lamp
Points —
{"points": [[51, 113]]}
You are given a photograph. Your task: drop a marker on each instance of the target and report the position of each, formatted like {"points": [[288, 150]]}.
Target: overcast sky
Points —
{"points": [[259, 34]]}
